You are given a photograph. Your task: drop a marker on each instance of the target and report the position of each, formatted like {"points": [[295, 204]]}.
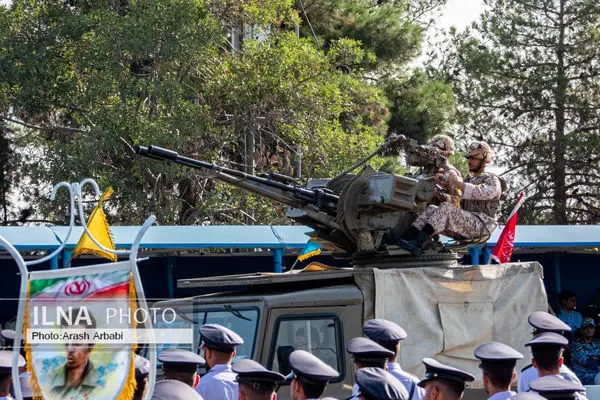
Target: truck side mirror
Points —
{"points": [[283, 358]]}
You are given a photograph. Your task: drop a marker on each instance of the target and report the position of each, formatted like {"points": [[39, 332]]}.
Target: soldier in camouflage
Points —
{"points": [[445, 193], [480, 205]]}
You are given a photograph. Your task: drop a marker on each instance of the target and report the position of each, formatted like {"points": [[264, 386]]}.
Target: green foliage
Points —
{"points": [[384, 30], [525, 77], [87, 80], [420, 107]]}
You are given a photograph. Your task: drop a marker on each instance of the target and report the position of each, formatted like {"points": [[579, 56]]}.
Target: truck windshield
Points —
{"points": [[241, 320]]}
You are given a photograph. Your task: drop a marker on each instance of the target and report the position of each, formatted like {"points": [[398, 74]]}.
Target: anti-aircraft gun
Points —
{"points": [[353, 214]]}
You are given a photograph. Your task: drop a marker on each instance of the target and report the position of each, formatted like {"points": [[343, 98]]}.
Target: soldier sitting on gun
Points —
{"points": [[480, 205]]}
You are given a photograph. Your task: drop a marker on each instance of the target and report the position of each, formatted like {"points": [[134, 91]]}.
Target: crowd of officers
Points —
{"points": [[377, 372]]}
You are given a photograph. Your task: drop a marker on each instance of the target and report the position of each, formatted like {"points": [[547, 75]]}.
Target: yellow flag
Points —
{"points": [[98, 227]]}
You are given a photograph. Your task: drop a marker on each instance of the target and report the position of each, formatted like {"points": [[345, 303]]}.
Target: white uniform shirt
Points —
{"points": [[409, 381], [502, 396], [219, 384], [530, 374]]}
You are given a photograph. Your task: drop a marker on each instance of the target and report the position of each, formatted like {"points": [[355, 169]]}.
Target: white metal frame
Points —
{"points": [[75, 194]]}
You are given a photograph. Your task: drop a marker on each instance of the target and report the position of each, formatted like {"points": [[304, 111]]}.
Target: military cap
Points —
{"points": [[253, 374], [6, 360], [8, 334], [377, 383], [308, 366], [181, 360], [363, 349], [142, 366], [26, 390], [217, 337], [544, 322], [548, 339], [588, 322], [555, 387], [436, 370], [171, 389], [495, 352], [382, 330], [527, 396]]}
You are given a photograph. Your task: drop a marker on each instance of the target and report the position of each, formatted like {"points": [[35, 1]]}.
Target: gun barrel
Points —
{"points": [[287, 194]]}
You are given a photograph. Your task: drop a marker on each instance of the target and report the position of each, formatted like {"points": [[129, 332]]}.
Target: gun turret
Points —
{"points": [[293, 196], [353, 214]]}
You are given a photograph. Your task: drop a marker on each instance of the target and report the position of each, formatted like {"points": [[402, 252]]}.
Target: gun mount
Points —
{"points": [[352, 214]]}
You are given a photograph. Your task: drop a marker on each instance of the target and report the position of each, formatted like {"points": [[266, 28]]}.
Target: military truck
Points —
{"points": [[446, 309]]}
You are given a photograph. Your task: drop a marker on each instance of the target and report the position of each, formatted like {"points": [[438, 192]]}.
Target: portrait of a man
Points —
{"points": [[77, 378]]}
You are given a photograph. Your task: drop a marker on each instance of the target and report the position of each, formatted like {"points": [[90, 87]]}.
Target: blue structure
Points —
{"points": [[569, 254], [276, 238], [534, 238]]}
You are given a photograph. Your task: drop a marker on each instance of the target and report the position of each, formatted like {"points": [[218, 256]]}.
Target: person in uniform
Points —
{"points": [[366, 353], [445, 145], [218, 346], [142, 370], [5, 372], [389, 335], [527, 396], [181, 365], [78, 378], [543, 322], [443, 382], [255, 382], [585, 353], [480, 205], [309, 376], [378, 384], [498, 363], [8, 337], [547, 349], [557, 388], [171, 389]]}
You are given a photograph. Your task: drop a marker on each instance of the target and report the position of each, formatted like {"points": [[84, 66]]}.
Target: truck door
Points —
{"points": [[322, 331]]}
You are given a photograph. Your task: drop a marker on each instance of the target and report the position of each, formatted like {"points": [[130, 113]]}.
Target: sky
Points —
{"points": [[460, 13]]}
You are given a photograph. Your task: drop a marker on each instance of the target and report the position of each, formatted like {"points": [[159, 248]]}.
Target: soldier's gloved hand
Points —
{"points": [[441, 178], [454, 179]]}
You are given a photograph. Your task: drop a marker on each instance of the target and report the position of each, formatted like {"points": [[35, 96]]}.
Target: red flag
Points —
{"points": [[504, 246]]}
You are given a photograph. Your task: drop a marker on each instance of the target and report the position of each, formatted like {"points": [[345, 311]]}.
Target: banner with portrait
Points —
{"points": [[79, 332]]}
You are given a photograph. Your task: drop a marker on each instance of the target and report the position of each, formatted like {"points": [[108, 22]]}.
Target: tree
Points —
{"points": [[526, 77], [86, 82]]}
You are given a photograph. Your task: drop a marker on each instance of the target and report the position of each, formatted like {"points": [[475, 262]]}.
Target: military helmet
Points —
{"points": [[480, 150], [444, 143]]}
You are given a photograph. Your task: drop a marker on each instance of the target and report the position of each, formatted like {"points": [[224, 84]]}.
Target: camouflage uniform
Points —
{"points": [[445, 144], [584, 359], [478, 215]]}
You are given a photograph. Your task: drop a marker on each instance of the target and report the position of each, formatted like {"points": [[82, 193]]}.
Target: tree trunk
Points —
{"points": [[559, 168]]}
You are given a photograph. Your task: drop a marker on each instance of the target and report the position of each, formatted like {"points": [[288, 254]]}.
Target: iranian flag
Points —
{"points": [[503, 249], [75, 286]]}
